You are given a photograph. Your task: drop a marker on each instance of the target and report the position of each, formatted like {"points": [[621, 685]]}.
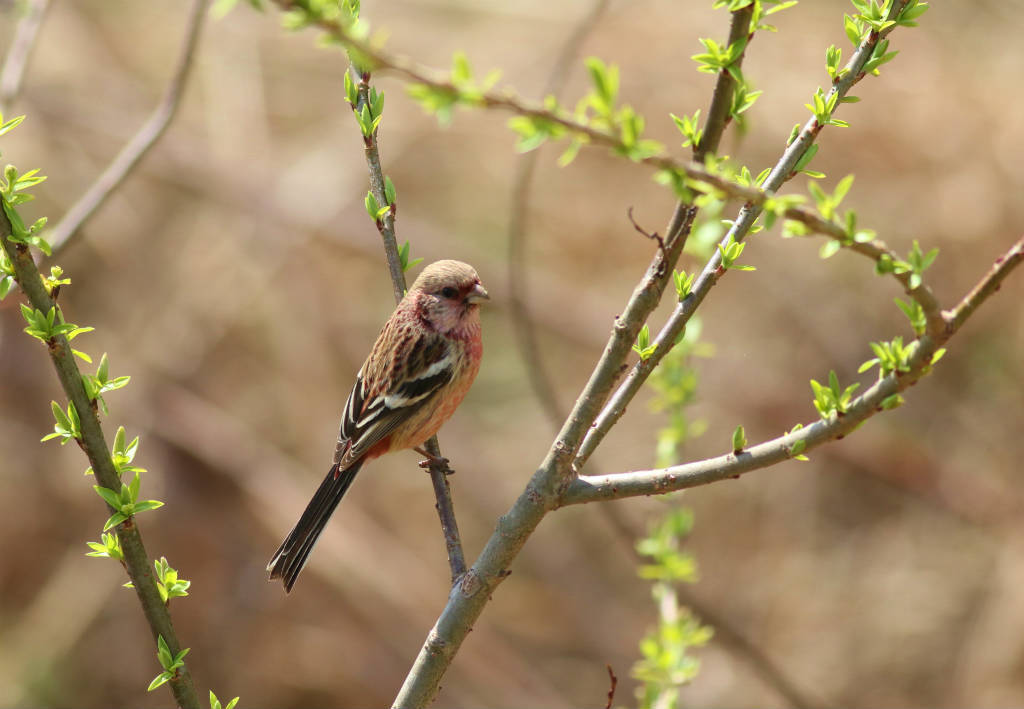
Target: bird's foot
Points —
{"points": [[434, 462]]}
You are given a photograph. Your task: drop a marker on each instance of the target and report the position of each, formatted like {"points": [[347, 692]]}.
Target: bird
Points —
{"points": [[417, 373]]}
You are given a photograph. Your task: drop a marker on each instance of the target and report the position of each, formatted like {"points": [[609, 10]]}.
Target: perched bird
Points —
{"points": [[419, 370]]}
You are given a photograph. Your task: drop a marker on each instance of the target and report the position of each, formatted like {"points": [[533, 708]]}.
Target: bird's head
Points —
{"points": [[449, 294]]}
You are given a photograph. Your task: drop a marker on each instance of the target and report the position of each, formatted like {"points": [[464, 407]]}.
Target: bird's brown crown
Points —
{"points": [[447, 273]]}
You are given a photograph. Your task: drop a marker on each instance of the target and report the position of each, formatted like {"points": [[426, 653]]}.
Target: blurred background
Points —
{"points": [[236, 277]]}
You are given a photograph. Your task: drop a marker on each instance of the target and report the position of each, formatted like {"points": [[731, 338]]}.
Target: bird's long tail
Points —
{"points": [[291, 557]]}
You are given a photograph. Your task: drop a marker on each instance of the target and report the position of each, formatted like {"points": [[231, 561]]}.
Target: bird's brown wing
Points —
{"points": [[386, 394]]}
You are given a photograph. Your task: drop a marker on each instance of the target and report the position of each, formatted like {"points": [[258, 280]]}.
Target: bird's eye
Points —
{"points": [[449, 292]]}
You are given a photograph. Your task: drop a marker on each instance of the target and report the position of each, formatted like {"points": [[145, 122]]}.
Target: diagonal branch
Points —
{"points": [[784, 169], [19, 52], [984, 288], [136, 560], [731, 465], [705, 179], [525, 332], [141, 142], [386, 227], [734, 639]]}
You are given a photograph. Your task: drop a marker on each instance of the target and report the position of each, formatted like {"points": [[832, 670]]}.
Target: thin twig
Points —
{"points": [[733, 640], [20, 51], [985, 287], [732, 465], [141, 142], [614, 681], [705, 180], [783, 170], [386, 226], [540, 378], [876, 250], [136, 561], [702, 179], [655, 236], [684, 214]]}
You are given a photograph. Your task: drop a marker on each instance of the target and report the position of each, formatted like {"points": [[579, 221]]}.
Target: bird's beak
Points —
{"points": [[477, 295]]}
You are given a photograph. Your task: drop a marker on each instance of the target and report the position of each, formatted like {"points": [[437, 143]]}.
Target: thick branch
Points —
{"points": [[732, 465], [386, 227], [721, 98], [18, 55], [136, 560], [141, 142]]}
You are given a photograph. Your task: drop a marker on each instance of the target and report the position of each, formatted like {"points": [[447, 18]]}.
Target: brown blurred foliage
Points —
{"points": [[238, 280]]}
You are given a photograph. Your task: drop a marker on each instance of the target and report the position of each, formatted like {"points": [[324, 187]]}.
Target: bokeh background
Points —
{"points": [[238, 280]]}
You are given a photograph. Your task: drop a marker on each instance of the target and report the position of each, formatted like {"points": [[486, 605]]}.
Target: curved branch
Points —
{"points": [[20, 50], [140, 143], [506, 100], [526, 335], [876, 250]]}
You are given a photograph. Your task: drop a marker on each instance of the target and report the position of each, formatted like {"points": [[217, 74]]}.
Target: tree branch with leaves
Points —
{"points": [[600, 120]]}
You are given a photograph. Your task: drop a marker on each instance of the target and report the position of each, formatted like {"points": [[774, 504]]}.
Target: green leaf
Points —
{"points": [[739, 440], [371, 205], [683, 283], [215, 703], [829, 249], [643, 346], [158, 681], [11, 124], [58, 413], [891, 402], [867, 365], [109, 496], [351, 92]]}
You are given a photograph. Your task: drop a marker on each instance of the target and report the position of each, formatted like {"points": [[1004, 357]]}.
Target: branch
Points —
{"points": [[877, 251], [140, 143], [136, 560], [988, 285], [721, 98], [526, 336], [20, 50], [705, 180], [732, 465], [784, 169], [386, 226]]}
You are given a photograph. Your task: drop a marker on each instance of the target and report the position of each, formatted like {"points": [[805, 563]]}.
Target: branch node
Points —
{"points": [[653, 237]]}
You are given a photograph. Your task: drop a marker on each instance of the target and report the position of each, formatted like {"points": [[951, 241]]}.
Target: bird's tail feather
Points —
{"points": [[291, 556]]}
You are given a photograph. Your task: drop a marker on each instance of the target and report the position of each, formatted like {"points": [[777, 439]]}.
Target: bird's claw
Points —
{"points": [[437, 463], [434, 462]]}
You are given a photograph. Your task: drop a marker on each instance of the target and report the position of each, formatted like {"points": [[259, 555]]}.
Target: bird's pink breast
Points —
{"points": [[416, 434]]}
